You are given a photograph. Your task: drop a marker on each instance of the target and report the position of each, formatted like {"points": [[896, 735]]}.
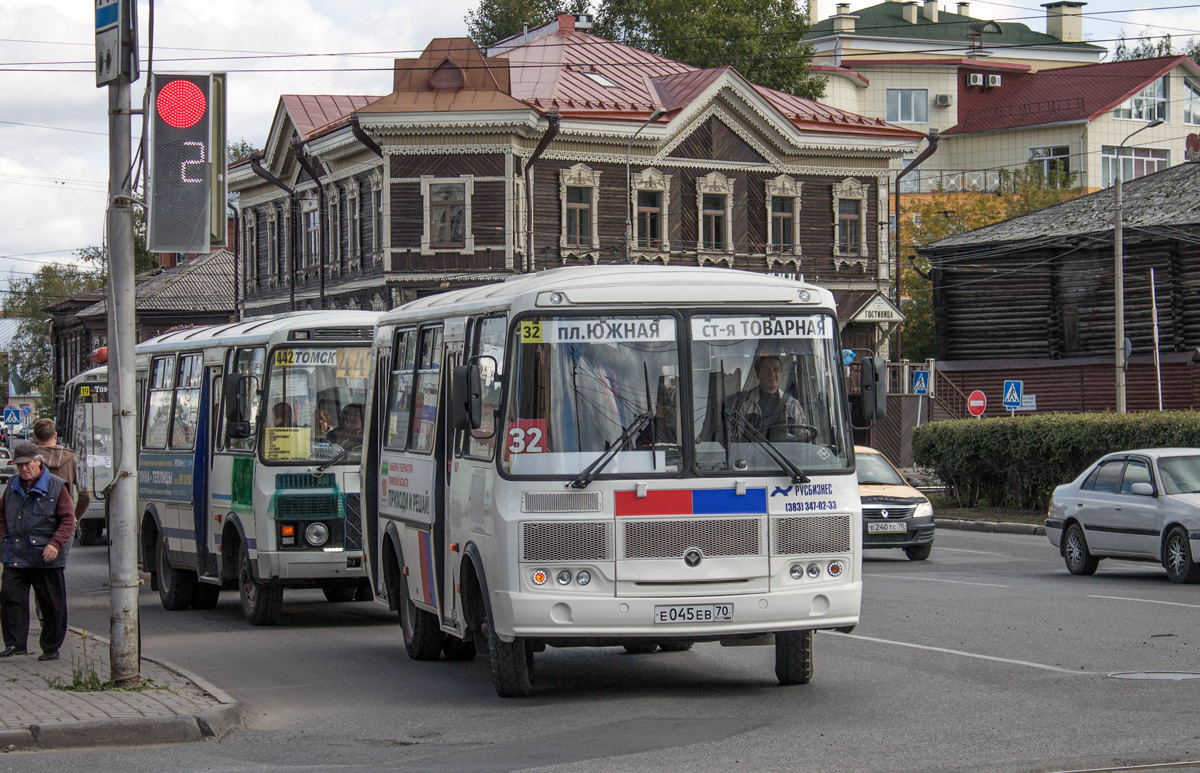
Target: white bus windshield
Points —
{"points": [[585, 384], [314, 406], [765, 385]]}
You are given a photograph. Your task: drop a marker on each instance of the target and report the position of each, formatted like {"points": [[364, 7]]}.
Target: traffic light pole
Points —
{"points": [[121, 504]]}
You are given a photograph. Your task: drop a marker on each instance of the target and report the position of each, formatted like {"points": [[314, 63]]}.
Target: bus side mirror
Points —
{"points": [[467, 394], [239, 393], [874, 388]]}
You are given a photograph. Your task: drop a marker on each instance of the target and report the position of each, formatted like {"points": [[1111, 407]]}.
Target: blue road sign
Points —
{"points": [[12, 415], [920, 382], [26, 411], [1012, 394]]}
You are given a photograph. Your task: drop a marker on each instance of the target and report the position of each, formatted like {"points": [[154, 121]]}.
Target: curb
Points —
{"points": [[213, 722], [999, 527]]}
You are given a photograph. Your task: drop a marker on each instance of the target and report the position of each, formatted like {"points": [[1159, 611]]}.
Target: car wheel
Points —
{"points": [[1078, 558], [1177, 557], [794, 657], [262, 603], [918, 552], [175, 586]]}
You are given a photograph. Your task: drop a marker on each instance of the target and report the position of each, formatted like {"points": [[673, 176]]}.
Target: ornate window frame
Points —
{"points": [[376, 179], [714, 184], [333, 201], [651, 179], [468, 183], [784, 187], [285, 244], [850, 188], [310, 218], [250, 248], [272, 245], [580, 176]]}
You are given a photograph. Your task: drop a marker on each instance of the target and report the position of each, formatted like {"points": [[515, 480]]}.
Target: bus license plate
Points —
{"points": [[694, 613], [886, 528]]}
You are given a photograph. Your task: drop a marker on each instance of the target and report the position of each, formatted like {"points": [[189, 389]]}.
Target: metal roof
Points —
{"points": [[257, 327], [8, 329], [313, 114], [201, 285]]}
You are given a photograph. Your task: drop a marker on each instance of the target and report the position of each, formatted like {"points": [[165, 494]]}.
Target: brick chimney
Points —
{"points": [[843, 20], [930, 10], [1064, 20]]}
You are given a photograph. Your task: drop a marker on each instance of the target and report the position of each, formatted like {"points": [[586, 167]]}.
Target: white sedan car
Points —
{"points": [[1141, 505]]}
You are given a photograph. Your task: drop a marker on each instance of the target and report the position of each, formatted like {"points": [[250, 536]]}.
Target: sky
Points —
{"points": [[53, 135]]}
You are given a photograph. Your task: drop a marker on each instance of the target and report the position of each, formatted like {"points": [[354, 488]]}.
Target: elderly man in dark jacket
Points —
{"points": [[37, 519]]}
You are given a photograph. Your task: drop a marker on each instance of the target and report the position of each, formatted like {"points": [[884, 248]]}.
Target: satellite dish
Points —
{"points": [[1192, 145]]}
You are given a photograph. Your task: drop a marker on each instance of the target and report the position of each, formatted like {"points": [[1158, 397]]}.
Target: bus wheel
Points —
{"points": [[175, 586], [512, 665], [90, 530], [206, 596], [794, 657], [458, 649], [339, 594], [262, 604], [422, 637]]}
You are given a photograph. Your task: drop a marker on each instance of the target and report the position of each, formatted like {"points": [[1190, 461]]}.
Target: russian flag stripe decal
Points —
{"points": [[428, 589], [687, 502]]}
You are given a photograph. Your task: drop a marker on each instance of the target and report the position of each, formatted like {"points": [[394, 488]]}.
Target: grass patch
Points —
{"points": [[84, 677]]}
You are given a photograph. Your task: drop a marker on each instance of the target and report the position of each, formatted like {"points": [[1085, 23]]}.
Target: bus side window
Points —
{"points": [[249, 362], [399, 399], [187, 402], [425, 404], [488, 347], [158, 413]]}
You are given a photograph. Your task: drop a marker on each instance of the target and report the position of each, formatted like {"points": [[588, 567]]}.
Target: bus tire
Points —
{"points": [[422, 637], [262, 604], [206, 596], [455, 648], [175, 586], [794, 657], [339, 594], [90, 531], [511, 665]]}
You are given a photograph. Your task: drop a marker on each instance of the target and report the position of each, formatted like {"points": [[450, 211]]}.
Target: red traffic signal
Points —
{"points": [[181, 104]]}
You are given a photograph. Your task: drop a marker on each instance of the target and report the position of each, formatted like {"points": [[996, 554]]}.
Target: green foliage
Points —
{"points": [[495, 20], [143, 259], [762, 39], [1146, 47], [1017, 462], [239, 149], [928, 218]]}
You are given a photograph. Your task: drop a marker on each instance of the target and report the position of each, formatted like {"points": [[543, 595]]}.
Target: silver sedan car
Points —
{"points": [[1141, 505]]}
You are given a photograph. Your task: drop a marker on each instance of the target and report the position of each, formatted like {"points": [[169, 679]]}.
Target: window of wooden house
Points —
{"points": [[849, 218], [849, 214], [579, 218], [447, 214], [712, 222], [335, 224], [272, 241], [783, 224], [1070, 323], [312, 237], [355, 246], [651, 201], [649, 219]]}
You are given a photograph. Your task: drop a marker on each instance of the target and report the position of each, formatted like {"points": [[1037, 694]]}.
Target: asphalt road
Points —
{"points": [[987, 657]]}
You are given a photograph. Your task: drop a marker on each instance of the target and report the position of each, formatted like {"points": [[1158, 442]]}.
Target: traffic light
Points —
{"points": [[185, 166]]}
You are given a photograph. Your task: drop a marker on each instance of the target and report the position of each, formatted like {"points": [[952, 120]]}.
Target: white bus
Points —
{"points": [[587, 457], [248, 470], [87, 429]]}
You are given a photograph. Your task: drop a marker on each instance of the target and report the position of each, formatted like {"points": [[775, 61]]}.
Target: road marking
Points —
{"points": [[1147, 601], [976, 552], [931, 579], [977, 656], [1152, 766]]}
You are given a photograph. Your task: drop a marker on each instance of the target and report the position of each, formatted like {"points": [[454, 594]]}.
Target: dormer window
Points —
{"points": [[601, 80], [446, 75]]}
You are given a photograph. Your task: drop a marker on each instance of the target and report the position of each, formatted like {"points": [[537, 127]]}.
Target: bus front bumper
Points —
{"points": [[284, 566], [569, 616]]}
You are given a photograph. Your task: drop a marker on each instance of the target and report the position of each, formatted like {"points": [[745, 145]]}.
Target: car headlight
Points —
{"points": [[924, 510]]}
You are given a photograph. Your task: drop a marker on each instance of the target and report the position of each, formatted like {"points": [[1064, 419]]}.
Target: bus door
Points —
{"points": [[212, 494], [201, 454]]}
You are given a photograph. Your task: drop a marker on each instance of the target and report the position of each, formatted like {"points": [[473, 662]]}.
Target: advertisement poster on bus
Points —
{"points": [[406, 488]]}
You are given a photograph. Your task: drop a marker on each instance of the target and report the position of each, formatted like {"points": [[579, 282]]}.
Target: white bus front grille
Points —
{"points": [[812, 534], [560, 502], [671, 538], [566, 541]]}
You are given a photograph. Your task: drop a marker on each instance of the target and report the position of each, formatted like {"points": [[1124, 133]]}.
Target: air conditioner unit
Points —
{"points": [[993, 81], [943, 100], [975, 79]]}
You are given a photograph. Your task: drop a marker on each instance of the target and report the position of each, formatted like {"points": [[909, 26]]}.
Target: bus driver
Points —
{"points": [[776, 415]]}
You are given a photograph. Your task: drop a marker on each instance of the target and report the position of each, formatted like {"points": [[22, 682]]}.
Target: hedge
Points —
{"points": [[1017, 462]]}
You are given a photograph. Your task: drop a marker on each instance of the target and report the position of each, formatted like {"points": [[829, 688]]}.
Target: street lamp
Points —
{"points": [[658, 113], [1118, 249]]}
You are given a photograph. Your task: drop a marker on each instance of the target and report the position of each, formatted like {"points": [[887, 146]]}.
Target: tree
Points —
{"points": [[762, 39], [495, 20], [143, 259], [239, 149], [1146, 47], [928, 218], [29, 352]]}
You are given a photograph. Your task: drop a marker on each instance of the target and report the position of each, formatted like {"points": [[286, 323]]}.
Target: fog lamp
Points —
{"points": [[583, 578], [814, 570], [564, 577], [797, 572], [317, 534]]}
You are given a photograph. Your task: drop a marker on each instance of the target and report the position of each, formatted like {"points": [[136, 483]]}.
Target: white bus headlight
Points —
{"points": [[317, 534], [583, 578], [564, 577], [814, 570], [797, 572]]}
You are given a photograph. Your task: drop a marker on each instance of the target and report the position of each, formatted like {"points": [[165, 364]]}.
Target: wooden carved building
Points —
{"points": [[557, 148]]}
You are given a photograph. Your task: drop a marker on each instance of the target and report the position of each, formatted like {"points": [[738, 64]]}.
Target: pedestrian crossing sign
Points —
{"points": [[1012, 394], [12, 415], [920, 384]]}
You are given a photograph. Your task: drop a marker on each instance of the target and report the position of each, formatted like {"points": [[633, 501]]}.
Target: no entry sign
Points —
{"points": [[977, 403]]}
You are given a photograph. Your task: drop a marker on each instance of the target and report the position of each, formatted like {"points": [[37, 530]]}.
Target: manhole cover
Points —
{"points": [[1171, 676]]}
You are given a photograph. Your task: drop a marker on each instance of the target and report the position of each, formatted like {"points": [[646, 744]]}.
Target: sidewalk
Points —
{"points": [[180, 706]]}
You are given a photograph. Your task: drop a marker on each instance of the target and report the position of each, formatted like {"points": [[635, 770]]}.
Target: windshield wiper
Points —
{"points": [[339, 456], [590, 472], [751, 431]]}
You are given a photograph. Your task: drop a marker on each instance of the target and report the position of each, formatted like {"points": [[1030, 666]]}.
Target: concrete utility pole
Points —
{"points": [[124, 650]]}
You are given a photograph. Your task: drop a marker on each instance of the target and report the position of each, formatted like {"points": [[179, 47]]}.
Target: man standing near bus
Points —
{"points": [[37, 519], [60, 461]]}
